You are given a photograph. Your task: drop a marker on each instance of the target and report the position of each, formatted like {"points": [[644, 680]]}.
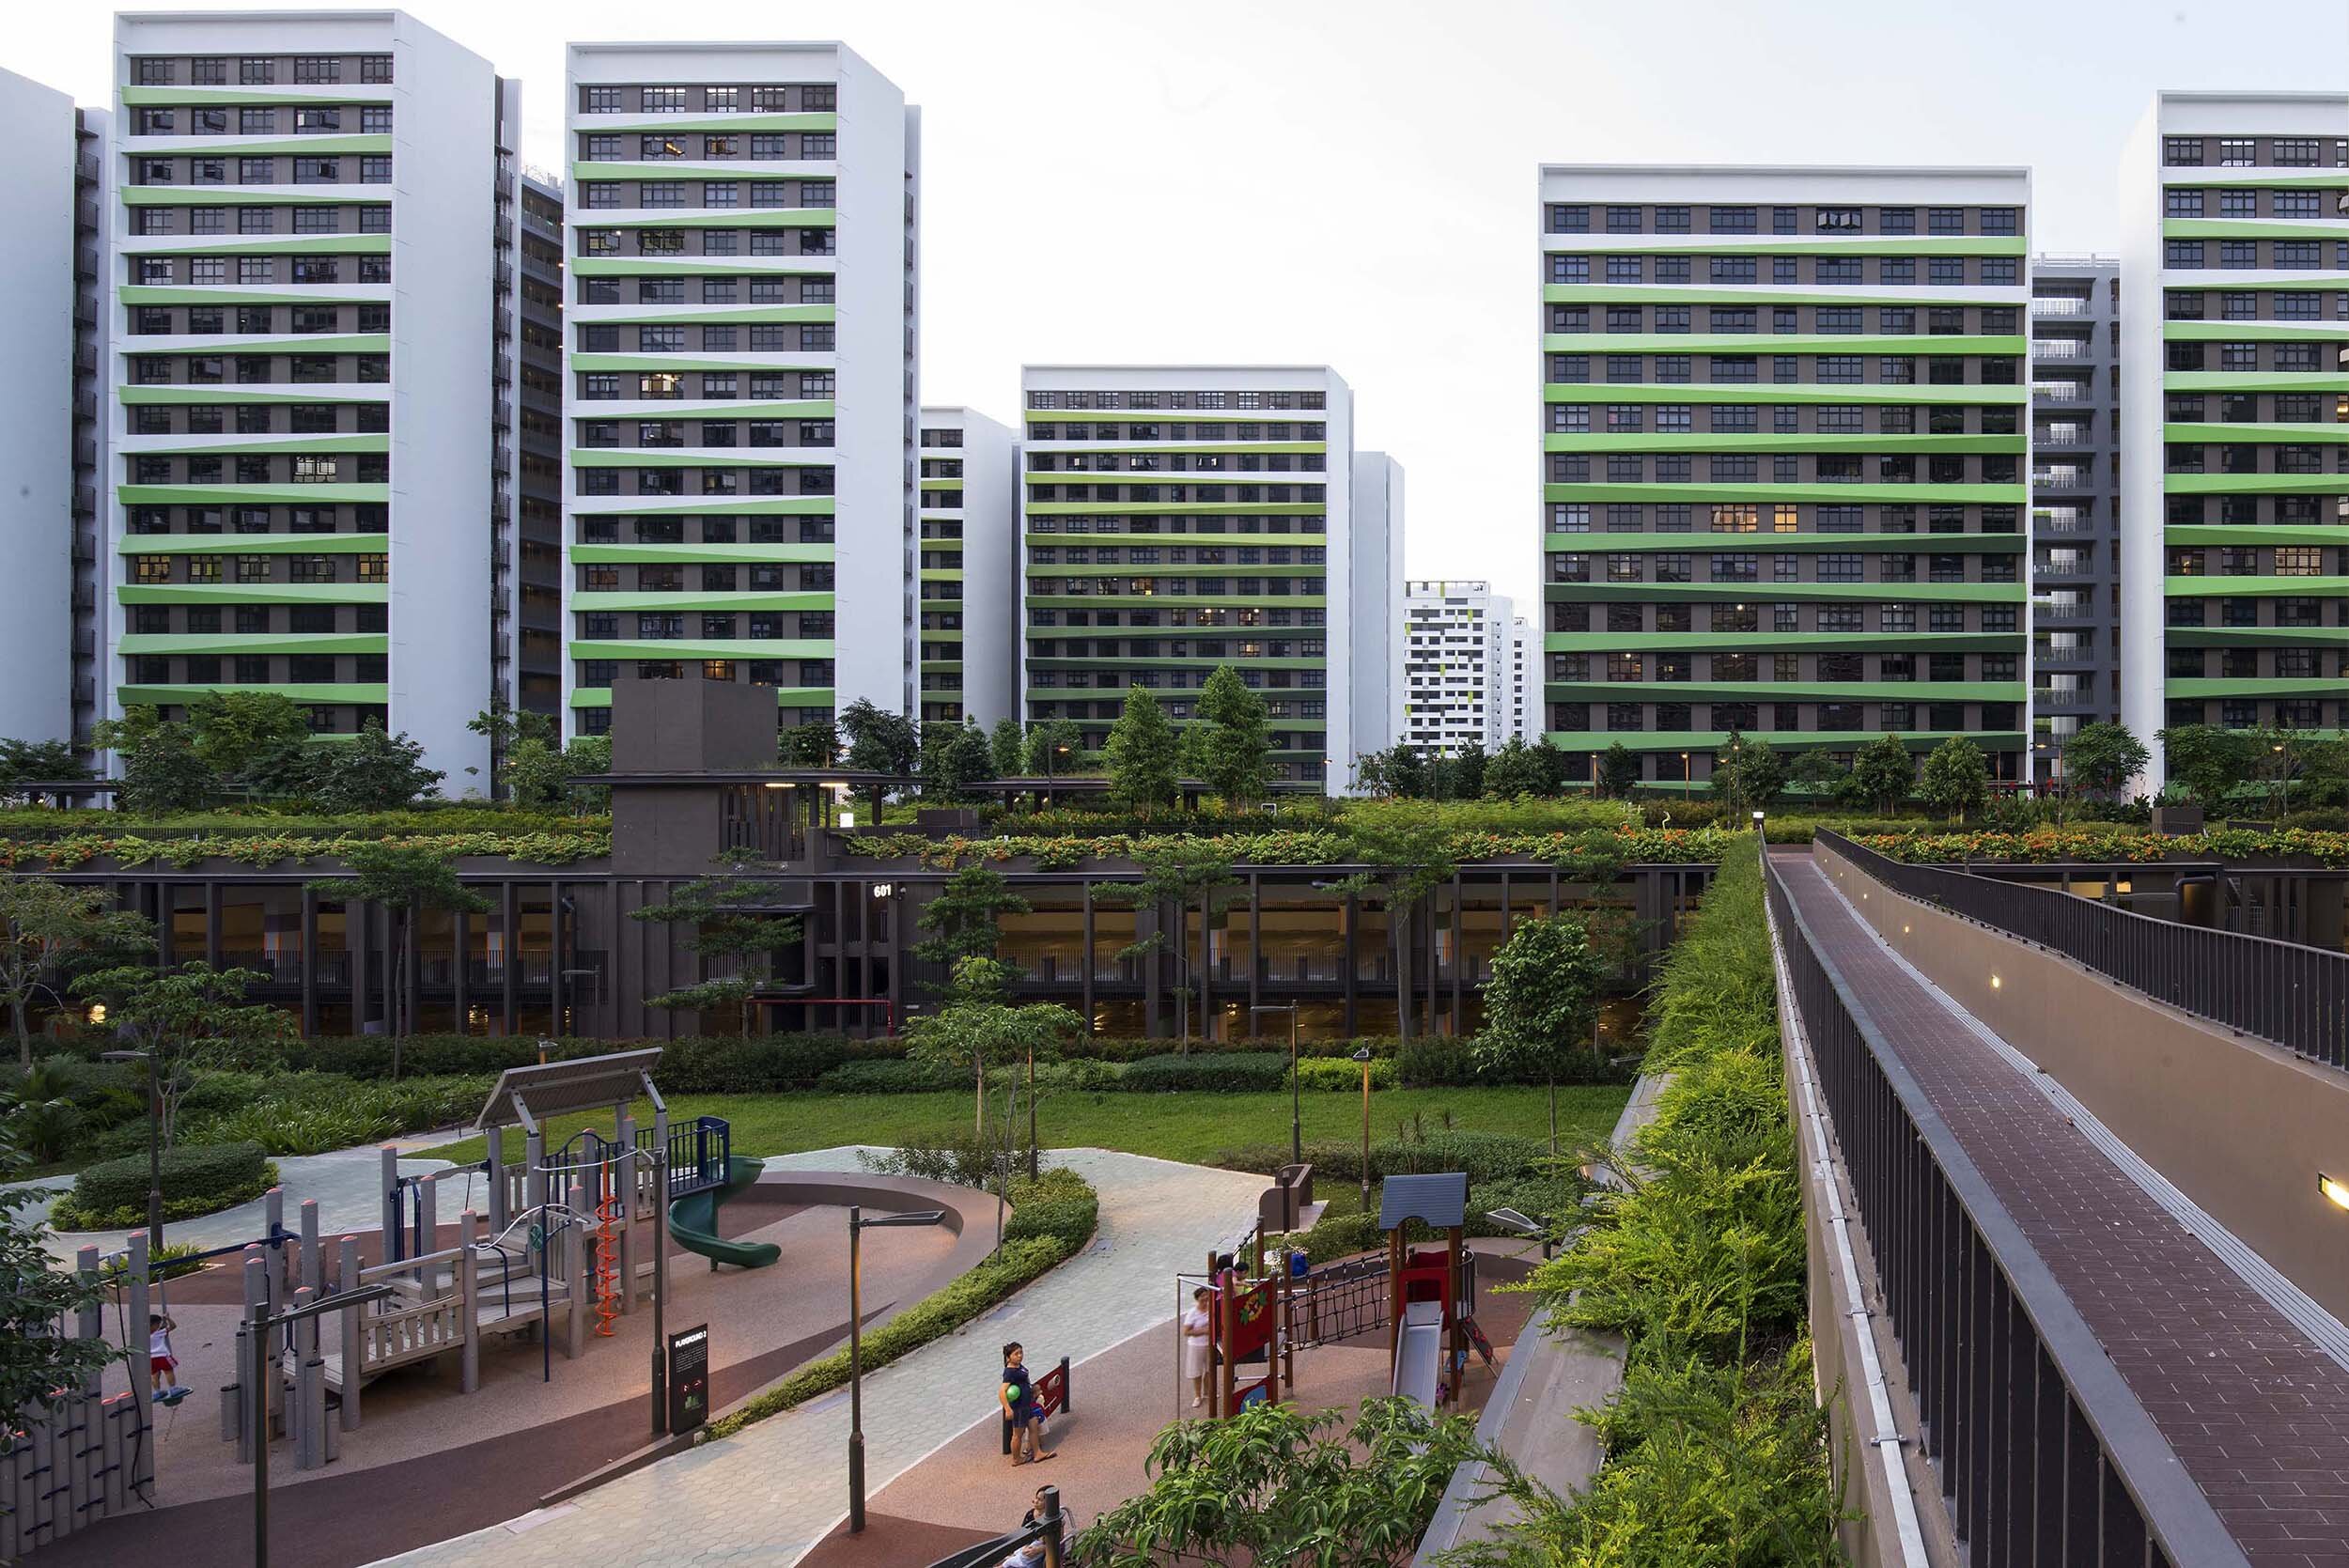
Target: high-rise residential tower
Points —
{"points": [[2075, 500], [1525, 682], [1455, 666], [740, 374], [526, 559], [49, 336], [303, 270], [2236, 413], [968, 590], [1179, 518], [1376, 646], [1816, 374]]}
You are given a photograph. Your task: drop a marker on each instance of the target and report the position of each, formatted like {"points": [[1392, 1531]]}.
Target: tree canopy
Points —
{"points": [[1955, 778], [1142, 752]]}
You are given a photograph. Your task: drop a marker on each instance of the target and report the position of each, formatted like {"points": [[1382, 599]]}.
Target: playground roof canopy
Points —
{"points": [[551, 1087], [1440, 1200]]}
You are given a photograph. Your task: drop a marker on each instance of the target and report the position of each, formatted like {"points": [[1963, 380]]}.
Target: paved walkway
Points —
{"points": [[348, 1184], [768, 1495], [2257, 1413]]}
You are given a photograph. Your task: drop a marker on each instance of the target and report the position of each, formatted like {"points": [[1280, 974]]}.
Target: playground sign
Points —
{"points": [[689, 1378]]}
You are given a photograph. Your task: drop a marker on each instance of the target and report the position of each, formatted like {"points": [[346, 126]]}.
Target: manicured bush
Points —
{"points": [[1227, 1071], [210, 1175], [1059, 1205], [903, 1077], [1321, 1072], [1485, 1156]]}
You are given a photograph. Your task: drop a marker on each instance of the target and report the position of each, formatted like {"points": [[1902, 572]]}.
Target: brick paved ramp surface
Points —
{"points": [[768, 1495], [2256, 1413]]}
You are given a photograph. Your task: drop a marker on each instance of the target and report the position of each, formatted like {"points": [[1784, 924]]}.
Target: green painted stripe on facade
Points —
{"points": [[729, 217], [1067, 661], [1948, 295], [1987, 495], [1130, 508], [233, 394], [153, 294], [322, 693], [205, 495], [2251, 228], [1719, 441], [724, 456], [331, 442], [2252, 533], [2271, 432], [1315, 569], [692, 266], [254, 593], [2200, 685], [2248, 332], [274, 245], [1139, 601], [718, 317], [1761, 642], [293, 145], [1775, 392], [1771, 593], [723, 506], [735, 599], [253, 544], [752, 555], [2255, 381], [2255, 484], [1789, 343], [2252, 587], [277, 642], [1176, 538], [231, 196], [683, 362], [1802, 690], [1709, 741], [2255, 636], [1780, 245], [1154, 449], [2212, 177], [1766, 543], [660, 125]]}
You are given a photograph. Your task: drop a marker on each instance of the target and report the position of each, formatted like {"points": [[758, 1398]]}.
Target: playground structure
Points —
{"points": [[1423, 1297]]}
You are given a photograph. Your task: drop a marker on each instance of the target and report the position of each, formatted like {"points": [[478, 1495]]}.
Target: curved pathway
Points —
{"points": [[771, 1493]]}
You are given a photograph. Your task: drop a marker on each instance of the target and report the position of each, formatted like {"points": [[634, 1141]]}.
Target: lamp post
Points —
{"points": [[1296, 1120], [1683, 773], [858, 1226], [154, 1145], [2284, 774], [1757, 826], [259, 1330], [1362, 1056]]}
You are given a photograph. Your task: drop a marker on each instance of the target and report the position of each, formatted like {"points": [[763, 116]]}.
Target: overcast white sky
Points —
{"points": [[1354, 182]]}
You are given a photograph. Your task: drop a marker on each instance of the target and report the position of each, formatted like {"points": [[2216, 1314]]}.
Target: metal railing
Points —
{"points": [[2043, 1452], [2292, 996]]}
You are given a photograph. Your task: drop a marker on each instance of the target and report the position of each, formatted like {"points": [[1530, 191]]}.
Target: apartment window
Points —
{"points": [[1623, 219], [375, 70], [600, 100], [2182, 152], [2237, 152], [1733, 219], [2297, 151], [375, 171], [1564, 219], [2000, 220], [2184, 203], [664, 100], [1945, 220], [317, 68]]}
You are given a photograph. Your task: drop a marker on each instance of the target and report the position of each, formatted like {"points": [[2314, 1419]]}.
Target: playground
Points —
{"points": [[487, 1380]]}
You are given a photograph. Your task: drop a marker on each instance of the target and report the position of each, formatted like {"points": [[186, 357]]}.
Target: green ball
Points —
{"points": [[1011, 1392]]}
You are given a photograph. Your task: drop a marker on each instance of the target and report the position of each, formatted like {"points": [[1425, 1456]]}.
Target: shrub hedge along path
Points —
{"points": [[770, 1492]]}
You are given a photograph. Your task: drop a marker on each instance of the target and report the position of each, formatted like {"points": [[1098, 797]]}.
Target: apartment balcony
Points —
{"points": [[2062, 615], [2061, 696], [2058, 394], [2057, 304], [2042, 522], [2060, 348], [2063, 476]]}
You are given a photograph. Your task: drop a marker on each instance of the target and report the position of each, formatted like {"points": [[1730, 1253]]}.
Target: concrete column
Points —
{"points": [[347, 1278]]}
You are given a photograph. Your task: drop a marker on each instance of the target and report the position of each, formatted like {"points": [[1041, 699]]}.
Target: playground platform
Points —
{"points": [[967, 1491]]}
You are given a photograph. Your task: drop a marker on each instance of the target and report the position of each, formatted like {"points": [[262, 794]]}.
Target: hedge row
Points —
{"points": [[1052, 1219], [188, 1170]]}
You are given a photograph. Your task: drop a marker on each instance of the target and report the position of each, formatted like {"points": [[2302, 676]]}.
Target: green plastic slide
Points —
{"points": [[693, 1221]]}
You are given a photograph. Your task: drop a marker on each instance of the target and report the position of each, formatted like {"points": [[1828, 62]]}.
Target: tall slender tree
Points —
{"points": [[406, 882], [47, 931], [1142, 752], [730, 925]]}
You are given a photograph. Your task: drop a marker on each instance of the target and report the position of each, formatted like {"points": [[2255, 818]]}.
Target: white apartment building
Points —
{"points": [[740, 374], [302, 268], [1458, 653], [1525, 682], [1377, 598], [966, 595]]}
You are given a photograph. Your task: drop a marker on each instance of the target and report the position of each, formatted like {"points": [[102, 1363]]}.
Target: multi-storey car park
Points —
{"points": [[1815, 374], [1175, 518], [966, 590], [303, 278], [2075, 500], [740, 373], [2236, 412]]}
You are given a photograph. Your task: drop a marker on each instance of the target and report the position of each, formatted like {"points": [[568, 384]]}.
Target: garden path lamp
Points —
{"points": [[154, 1146], [858, 1226], [1296, 1123], [2336, 1193], [1362, 1056], [1757, 824], [260, 1329]]}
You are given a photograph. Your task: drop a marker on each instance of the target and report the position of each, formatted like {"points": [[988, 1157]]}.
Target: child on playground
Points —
{"points": [[1195, 1333], [163, 1367], [1018, 1394]]}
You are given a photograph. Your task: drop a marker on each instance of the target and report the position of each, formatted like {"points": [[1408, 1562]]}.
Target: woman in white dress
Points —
{"points": [[1195, 1347]]}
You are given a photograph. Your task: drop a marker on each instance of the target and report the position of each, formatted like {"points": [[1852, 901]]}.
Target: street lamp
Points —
{"points": [[1684, 773], [1757, 824], [154, 1145], [259, 1330], [1362, 1056], [858, 1226], [1296, 1123], [2284, 774]]}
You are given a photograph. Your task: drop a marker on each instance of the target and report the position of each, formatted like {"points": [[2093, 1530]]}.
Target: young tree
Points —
{"points": [[1055, 748], [1006, 749], [1185, 876], [1747, 774], [1882, 774], [405, 881], [1237, 750], [813, 744], [879, 741], [160, 772], [1618, 772], [2104, 756], [1281, 1484], [37, 1365], [1541, 1004], [245, 736], [189, 1020], [533, 774], [49, 929], [980, 1032], [370, 772], [953, 755], [1467, 771], [728, 920], [583, 757], [507, 728], [1397, 773], [1956, 777], [25, 762], [1516, 769], [1141, 752], [2209, 759], [964, 920], [1816, 772]]}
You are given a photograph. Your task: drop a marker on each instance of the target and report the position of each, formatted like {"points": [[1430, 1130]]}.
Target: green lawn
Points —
{"points": [[1186, 1126]]}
